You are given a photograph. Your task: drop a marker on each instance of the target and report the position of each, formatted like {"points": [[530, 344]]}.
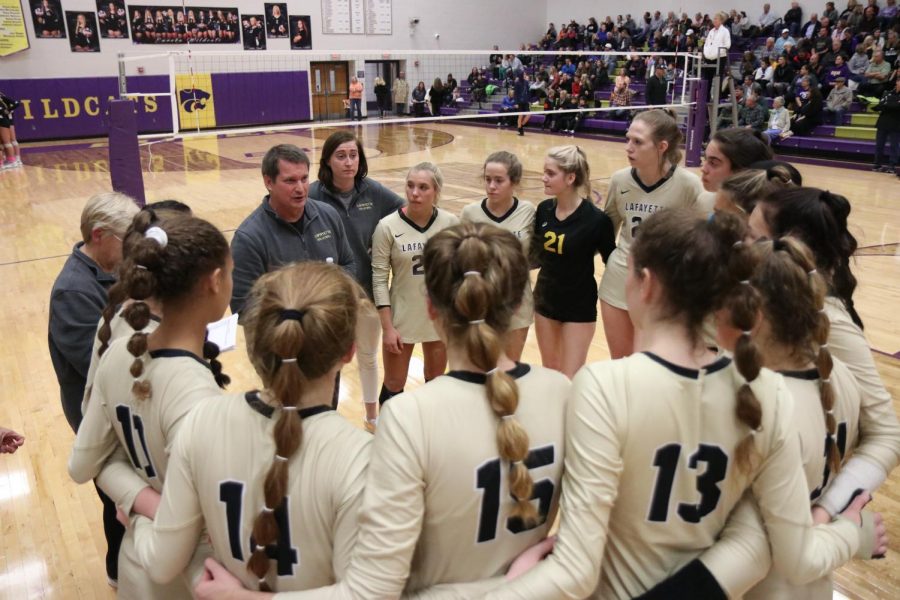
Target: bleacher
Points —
{"points": [[855, 139]]}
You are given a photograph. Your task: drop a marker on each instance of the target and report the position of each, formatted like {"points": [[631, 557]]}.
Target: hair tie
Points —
{"points": [[515, 462], [822, 311], [826, 380], [260, 548], [290, 314], [290, 408], [738, 244], [266, 509], [288, 360], [476, 322], [746, 332], [825, 345], [158, 235], [280, 458], [744, 282], [829, 412], [141, 267], [507, 417], [811, 273], [469, 273], [492, 371]]}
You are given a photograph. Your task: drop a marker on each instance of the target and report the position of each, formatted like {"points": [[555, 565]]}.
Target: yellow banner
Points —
{"points": [[196, 109], [13, 37]]}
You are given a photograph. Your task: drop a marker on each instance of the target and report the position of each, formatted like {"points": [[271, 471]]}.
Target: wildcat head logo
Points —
{"points": [[193, 99]]}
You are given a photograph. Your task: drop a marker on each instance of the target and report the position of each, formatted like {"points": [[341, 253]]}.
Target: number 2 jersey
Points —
{"points": [[651, 477], [437, 503], [216, 475], [565, 289], [397, 248]]}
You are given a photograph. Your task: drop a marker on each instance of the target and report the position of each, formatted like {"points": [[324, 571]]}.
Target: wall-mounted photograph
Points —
{"points": [[112, 19], [195, 24], [301, 33], [47, 18], [254, 32], [276, 19], [82, 31]]}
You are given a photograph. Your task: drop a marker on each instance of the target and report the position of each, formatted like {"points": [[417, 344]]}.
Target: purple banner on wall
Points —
{"points": [[79, 107], [261, 98]]}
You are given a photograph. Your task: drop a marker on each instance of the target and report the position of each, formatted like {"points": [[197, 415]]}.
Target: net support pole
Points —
{"points": [[124, 153], [123, 80], [174, 95], [696, 125]]}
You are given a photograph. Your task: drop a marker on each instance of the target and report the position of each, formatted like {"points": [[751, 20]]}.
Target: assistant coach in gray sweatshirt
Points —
{"points": [[287, 226]]}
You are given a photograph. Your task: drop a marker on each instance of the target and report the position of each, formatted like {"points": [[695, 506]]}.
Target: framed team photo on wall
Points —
{"points": [[83, 35], [48, 19], [301, 34], [112, 19], [254, 32], [194, 24], [276, 19]]}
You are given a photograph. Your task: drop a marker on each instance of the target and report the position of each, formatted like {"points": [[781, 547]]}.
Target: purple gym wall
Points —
{"points": [[78, 107]]}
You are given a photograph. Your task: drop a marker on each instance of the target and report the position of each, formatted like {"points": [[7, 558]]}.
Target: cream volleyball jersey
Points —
{"points": [[397, 248], [651, 477], [518, 220], [216, 476], [436, 507], [144, 428], [810, 420]]}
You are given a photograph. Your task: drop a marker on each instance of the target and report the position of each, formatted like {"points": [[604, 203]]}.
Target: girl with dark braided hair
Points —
{"points": [[147, 383]]}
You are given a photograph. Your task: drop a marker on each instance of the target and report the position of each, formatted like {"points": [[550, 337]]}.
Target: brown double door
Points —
{"points": [[330, 88]]}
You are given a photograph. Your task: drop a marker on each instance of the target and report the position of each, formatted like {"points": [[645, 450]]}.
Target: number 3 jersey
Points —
{"points": [[216, 477], [397, 248], [651, 478], [436, 505]]}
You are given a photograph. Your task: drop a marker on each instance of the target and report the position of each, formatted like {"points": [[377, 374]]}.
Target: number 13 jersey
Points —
{"points": [[397, 248]]}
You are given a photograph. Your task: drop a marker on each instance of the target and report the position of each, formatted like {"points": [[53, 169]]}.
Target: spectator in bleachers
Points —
{"points": [[782, 77], [418, 100], [838, 102], [891, 48], [565, 83], [830, 12], [838, 70], [876, 76], [474, 74], [590, 32], [507, 105], [494, 61], [586, 90], [656, 22], [809, 109], [887, 128], [793, 18], [811, 27], [749, 63], [767, 52], [620, 98], [550, 103], [753, 115], [858, 64], [855, 18], [888, 13], [479, 90], [450, 84], [784, 39], [636, 68], [565, 122], [869, 22], [750, 88], [779, 120], [766, 21], [568, 68], [437, 94], [851, 6], [823, 41], [828, 58], [657, 86], [400, 93], [764, 74]]}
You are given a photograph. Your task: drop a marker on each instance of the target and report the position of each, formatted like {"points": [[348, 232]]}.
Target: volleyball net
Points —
{"points": [[192, 91]]}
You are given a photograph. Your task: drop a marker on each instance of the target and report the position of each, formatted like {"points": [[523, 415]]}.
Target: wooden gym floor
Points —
{"points": [[51, 541]]}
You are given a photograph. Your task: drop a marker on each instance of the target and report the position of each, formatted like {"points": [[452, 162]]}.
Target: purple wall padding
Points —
{"points": [[79, 107], [261, 98], [124, 154], [696, 125]]}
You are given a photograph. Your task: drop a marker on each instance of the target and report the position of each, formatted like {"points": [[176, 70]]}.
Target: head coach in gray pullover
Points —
{"points": [[287, 227]]}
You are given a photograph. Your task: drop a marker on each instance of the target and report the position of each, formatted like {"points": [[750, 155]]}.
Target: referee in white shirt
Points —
{"points": [[717, 39]]}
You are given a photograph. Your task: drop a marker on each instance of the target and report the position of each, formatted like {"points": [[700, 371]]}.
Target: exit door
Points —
{"points": [[331, 87]]}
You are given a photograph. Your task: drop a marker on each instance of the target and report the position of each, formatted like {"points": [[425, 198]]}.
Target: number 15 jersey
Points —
{"points": [[397, 248]]}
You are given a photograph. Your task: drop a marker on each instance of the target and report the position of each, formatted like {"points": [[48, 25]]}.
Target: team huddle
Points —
{"points": [[727, 450]]}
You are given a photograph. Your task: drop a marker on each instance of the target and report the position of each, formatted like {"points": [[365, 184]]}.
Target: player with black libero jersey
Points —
{"points": [[568, 232]]}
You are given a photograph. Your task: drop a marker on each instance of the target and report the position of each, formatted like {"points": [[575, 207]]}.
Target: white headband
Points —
{"points": [[158, 234]]}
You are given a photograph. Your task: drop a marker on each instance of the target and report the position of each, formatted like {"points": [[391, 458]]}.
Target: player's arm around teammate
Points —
{"points": [[653, 181], [612, 494], [397, 249], [502, 174], [819, 219], [568, 232], [275, 475]]}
